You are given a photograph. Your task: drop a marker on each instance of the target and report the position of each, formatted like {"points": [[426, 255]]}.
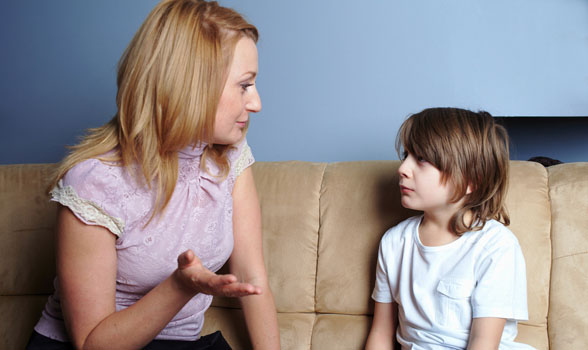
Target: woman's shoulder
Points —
{"points": [[95, 173], [240, 157], [92, 165], [92, 190]]}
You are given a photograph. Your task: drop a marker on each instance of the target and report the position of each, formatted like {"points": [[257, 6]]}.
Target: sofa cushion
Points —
{"points": [[568, 188], [26, 248], [359, 202], [527, 202], [295, 328], [289, 199], [340, 332]]}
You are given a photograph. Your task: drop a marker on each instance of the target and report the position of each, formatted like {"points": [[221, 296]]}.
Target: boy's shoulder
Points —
{"points": [[495, 235], [403, 229]]}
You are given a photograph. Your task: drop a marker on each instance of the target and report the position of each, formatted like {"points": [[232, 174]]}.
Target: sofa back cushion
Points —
{"points": [[289, 194], [530, 214], [568, 189], [26, 250]]}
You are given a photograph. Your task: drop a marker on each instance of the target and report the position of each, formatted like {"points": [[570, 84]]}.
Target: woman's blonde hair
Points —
{"points": [[469, 149], [170, 80]]}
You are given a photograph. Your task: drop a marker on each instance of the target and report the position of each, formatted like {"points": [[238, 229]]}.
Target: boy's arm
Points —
{"points": [[383, 332], [486, 333]]}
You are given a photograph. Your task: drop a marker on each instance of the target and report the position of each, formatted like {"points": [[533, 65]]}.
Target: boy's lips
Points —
{"points": [[405, 189]]}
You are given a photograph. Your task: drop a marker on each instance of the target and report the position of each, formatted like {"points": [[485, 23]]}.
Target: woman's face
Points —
{"points": [[239, 96]]}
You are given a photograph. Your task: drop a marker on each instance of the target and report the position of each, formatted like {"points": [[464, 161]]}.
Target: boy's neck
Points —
{"points": [[435, 231]]}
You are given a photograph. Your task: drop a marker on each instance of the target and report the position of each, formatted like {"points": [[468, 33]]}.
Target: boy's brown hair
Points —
{"points": [[469, 149]]}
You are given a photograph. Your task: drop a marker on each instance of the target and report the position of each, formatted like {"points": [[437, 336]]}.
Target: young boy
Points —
{"points": [[453, 277]]}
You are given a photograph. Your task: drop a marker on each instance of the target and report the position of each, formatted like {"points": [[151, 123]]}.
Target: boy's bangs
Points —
{"points": [[420, 142]]}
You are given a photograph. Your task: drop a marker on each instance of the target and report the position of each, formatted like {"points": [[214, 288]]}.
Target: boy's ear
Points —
{"points": [[469, 189]]}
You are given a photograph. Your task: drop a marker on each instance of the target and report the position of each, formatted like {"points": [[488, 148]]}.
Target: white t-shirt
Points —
{"points": [[440, 289]]}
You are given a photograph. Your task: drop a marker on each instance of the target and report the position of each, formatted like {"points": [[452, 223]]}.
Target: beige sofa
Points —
{"points": [[322, 225]]}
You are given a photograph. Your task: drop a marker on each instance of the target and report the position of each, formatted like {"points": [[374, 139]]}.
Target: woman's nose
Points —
{"points": [[254, 102]]}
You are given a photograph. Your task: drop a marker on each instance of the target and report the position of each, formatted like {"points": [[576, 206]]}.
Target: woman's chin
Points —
{"points": [[229, 139]]}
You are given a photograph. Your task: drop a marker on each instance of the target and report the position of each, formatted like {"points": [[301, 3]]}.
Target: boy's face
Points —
{"points": [[421, 187]]}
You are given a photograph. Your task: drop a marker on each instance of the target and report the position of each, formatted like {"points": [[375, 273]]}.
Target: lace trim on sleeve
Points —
{"points": [[244, 161], [87, 210]]}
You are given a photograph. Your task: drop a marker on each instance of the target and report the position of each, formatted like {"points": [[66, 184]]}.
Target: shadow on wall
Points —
{"points": [[562, 139], [545, 161]]}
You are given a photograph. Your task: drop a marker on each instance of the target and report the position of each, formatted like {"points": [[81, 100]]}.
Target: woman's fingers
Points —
{"points": [[187, 258], [227, 285], [201, 280], [239, 289], [227, 279]]}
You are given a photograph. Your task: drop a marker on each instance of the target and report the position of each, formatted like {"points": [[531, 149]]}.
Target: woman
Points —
{"points": [[155, 201]]}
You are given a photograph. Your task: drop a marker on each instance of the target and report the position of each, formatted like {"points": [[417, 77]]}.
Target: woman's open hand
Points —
{"points": [[196, 278]]}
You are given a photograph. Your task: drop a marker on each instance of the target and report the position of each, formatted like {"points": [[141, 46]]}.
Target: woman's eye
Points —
{"points": [[244, 86]]}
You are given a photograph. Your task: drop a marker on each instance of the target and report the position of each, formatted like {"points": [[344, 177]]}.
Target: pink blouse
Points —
{"points": [[199, 216]]}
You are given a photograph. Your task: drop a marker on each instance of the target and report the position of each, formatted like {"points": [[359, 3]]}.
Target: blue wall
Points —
{"points": [[336, 77]]}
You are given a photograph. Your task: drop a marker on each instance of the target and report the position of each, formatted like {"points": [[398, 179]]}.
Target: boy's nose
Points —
{"points": [[403, 169]]}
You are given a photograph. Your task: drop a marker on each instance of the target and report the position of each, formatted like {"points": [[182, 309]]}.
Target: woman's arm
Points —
{"points": [[246, 263], [86, 269], [383, 332], [486, 333]]}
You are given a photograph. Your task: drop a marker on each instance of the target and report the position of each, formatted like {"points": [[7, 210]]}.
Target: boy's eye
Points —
{"points": [[404, 155], [421, 159]]}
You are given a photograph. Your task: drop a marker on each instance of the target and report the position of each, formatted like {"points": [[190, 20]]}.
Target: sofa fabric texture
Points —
{"points": [[322, 223]]}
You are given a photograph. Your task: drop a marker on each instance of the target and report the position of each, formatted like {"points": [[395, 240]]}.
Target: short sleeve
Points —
{"points": [[501, 289], [91, 191], [241, 158], [382, 292]]}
